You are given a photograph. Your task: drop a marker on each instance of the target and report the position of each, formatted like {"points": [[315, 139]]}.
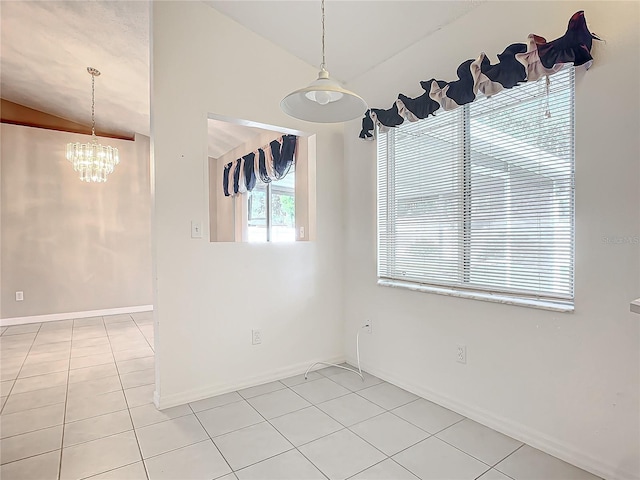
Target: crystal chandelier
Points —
{"points": [[92, 160]]}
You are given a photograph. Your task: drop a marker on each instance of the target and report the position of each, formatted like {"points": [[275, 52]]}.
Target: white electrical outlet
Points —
{"points": [[301, 232], [368, 326], [19, 296], [461, 353], [256, 337]]}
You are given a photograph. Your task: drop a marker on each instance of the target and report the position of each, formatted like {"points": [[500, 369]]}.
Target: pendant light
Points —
{"points": [[325, 100], [92, 161]]}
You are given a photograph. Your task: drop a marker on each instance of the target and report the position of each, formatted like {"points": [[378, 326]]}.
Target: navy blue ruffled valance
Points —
{"points": [[269, 163], [518, 63]]}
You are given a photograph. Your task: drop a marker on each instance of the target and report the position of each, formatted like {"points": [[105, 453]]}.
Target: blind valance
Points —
{"points": [[269, 163], [518, 63]]}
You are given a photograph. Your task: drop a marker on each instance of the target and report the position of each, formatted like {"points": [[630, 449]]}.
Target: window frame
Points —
{"points": [[463, 288], [279, 189]]}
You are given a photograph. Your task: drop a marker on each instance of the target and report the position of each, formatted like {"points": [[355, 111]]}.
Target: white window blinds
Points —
{"points": [[482, 197]]}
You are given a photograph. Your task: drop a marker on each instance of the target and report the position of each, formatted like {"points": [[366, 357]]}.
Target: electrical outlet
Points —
{"points": [[461, 353], [368, 326], [19, 296], [301, 232], [256, 337]]}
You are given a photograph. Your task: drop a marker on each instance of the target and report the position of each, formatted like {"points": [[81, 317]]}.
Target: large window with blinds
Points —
{"points": [[480, 200]]}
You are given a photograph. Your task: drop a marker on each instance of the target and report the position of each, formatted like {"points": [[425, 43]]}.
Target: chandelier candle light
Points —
{"points": [[325, 100], [92, 160]]}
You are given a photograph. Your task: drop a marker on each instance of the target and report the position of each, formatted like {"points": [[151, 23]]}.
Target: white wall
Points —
{"points": [[567, 383], [72, 246], [210, 295]]}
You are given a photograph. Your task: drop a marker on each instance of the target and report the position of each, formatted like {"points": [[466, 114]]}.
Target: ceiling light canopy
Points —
{"points": [[324, 100], [92, 160]]}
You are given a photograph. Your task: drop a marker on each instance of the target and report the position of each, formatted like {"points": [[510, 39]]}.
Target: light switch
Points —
{"points": [[196, 229]]}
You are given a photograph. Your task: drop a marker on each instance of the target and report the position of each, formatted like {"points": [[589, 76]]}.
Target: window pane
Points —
{"points": [[521, 190], [257, 214], [426, 206], [283, 209]]}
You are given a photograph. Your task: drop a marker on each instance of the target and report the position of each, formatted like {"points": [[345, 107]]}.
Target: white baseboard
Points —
{"points": [[508, 427], [168, 401], [54, 317]]}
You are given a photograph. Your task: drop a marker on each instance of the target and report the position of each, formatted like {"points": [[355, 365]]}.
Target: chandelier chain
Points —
{"points": [[322, 67], [93, 105]]}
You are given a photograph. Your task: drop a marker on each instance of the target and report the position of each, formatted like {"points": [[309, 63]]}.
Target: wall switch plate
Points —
{"points": [[19, 296], [256, 337], [368, 326], [196, 229], [461, 353]]}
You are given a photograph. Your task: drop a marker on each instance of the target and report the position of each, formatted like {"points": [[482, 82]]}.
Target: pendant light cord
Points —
{"points": [[323, 65]]}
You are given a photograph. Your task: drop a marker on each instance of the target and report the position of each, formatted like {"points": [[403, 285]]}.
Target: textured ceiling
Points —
{"points": [[47, 46], [359, 34]]}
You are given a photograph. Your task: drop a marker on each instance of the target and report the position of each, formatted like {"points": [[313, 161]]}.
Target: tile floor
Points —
{"points": [[77, 403]]}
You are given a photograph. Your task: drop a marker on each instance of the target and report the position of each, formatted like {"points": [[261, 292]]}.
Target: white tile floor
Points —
{"points": [[76, 403]]}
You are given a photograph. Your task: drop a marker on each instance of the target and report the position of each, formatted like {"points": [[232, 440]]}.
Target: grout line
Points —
{"points": [[210, 437], [318, 408], [521, 446], [135, 434], [113, 469], [21, 367], [66, 398], [397, 463], [370, 466], [142, 333], [385, 410], [34, 455], [458, 448], [285, 438], [37, 429], [508, 455], [100, 438]]}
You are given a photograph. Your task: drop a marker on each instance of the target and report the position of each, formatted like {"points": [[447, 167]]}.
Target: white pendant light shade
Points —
{"points": [[325, 100]]}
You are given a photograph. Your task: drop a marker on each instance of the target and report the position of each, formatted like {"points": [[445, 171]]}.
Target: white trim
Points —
{"points": [[523, 433], [167, 401], [53, 317], [556, 306]]}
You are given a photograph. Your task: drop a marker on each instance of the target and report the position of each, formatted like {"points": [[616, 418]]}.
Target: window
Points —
{"points": [[479, 201], [271, 211]]}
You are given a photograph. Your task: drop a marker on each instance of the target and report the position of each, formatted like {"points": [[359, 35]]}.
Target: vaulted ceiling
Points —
{"points": [[359, 34], [47, 45]]}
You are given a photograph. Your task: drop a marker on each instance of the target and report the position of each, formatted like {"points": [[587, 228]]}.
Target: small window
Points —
{"points": [[244, 206], [481, 199], [271, 211]]}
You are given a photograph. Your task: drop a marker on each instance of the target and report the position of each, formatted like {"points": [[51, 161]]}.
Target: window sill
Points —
{"points": [[556, 306]]}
